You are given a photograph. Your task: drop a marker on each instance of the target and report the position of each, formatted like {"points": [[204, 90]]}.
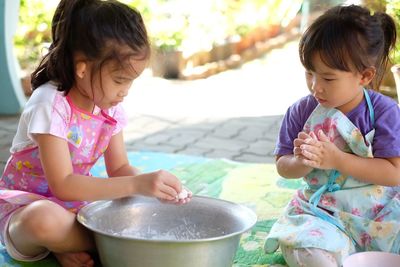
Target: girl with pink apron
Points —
{"points": [[24, 181]]}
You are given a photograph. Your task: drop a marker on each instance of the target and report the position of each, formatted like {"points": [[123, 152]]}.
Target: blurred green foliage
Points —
{"points": [[33, 32], [393, 8], [172, 24]]}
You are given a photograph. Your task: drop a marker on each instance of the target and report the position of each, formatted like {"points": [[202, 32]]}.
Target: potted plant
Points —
{"points": [[167, 58], [246, 39], [32, 38], [167, 33]]}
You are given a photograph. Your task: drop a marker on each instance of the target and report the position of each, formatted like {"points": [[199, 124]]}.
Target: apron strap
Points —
{"points": [[330, 186], [370, 108]]}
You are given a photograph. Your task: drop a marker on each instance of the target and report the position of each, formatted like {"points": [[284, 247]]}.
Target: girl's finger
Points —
{"points": [[312, 139], [303, 135], [172, 181], [313, 146], [310, 163], [165, 198], [311, 156], [298, 142], [181, 201], [169, 192], [322, 136], [297, 151], [177, 201], [189, 193], [314, 136]]}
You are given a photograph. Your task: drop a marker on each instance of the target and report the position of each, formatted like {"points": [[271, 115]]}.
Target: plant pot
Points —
{"points": [[201, 57], [223, 49], [245, 42], [168, 64], [273, 30]]}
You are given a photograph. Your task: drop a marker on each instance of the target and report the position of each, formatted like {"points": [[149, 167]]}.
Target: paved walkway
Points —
{"points": [[235, 114]]}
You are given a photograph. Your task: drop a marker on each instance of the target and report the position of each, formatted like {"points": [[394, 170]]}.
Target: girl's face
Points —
{"points": [[334, 88], [112, 83], [108, 86]]}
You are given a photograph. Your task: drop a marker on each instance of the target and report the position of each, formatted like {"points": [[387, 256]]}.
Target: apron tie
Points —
{"points": [[330, 186]]}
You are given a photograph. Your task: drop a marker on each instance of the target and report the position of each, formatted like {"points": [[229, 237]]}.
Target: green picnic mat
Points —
{"points": [[257, 186]]}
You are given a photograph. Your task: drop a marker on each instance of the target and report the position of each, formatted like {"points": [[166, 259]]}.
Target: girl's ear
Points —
{"points": [[80, 69], [367, 75]]}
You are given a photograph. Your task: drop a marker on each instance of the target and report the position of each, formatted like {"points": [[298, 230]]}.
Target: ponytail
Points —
{"points": [[57, 65], [388, 27]]}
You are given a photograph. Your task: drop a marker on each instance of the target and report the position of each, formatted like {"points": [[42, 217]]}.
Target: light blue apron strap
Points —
{"points": [[330, 186], [370, 108]]}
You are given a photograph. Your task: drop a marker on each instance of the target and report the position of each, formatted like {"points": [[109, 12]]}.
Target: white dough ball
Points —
{"points": [[183, 194]]}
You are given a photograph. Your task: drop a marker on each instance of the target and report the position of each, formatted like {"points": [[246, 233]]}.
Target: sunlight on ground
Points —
{"points": [[263, 87]]}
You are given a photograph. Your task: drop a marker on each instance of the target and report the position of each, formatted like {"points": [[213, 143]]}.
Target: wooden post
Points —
{"points": [[12, 98]]}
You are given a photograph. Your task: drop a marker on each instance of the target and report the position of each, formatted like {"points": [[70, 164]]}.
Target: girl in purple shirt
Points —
{"points": [[386, 140], [343, 140]]}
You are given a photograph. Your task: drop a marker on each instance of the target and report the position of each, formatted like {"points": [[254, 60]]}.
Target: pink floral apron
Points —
{"points": [[338, 213], [24, 181]]}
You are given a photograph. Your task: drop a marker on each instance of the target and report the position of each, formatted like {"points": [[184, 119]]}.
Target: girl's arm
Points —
{"points": [[289, 166], [116, 159], [378, 171], [322, 153], [117, 164], [65, 185]]}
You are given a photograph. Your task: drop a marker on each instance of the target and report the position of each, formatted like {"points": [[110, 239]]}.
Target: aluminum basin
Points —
{"points": [[142, 232]]}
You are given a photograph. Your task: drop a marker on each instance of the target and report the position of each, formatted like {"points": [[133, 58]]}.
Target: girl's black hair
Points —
{"points": [[98, 29], [350, 38]]}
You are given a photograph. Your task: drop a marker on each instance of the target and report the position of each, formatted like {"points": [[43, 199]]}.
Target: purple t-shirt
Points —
{"points": [[386, 143]]}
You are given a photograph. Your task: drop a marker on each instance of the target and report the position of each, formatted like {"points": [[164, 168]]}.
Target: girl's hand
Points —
{"points": [[319, 152], [160, 184], [300, 140], [182, 198]]}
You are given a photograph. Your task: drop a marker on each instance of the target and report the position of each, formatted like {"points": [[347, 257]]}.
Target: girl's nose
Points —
{"points": [[123, 93], [315, 85]]}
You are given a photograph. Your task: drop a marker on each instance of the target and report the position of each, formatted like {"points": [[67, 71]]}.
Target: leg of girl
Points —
{"points": [[308, 257], [44, 225]]}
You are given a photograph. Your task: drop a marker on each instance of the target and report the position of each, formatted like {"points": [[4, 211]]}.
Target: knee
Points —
{"points": [[44, 221]]}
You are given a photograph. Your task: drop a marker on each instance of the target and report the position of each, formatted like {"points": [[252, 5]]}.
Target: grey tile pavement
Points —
{"points": [[8, 127], [235, 114], [240, 139]]}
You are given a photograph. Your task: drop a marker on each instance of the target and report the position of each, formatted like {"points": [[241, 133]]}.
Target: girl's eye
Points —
{"points": [[329, 80], [120, 81]]}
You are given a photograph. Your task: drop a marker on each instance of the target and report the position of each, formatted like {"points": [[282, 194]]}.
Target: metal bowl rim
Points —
{"points": [[97, 231]]}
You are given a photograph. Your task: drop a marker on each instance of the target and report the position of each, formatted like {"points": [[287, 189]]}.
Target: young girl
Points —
{"points": [[73, 117], [344, 140]]}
